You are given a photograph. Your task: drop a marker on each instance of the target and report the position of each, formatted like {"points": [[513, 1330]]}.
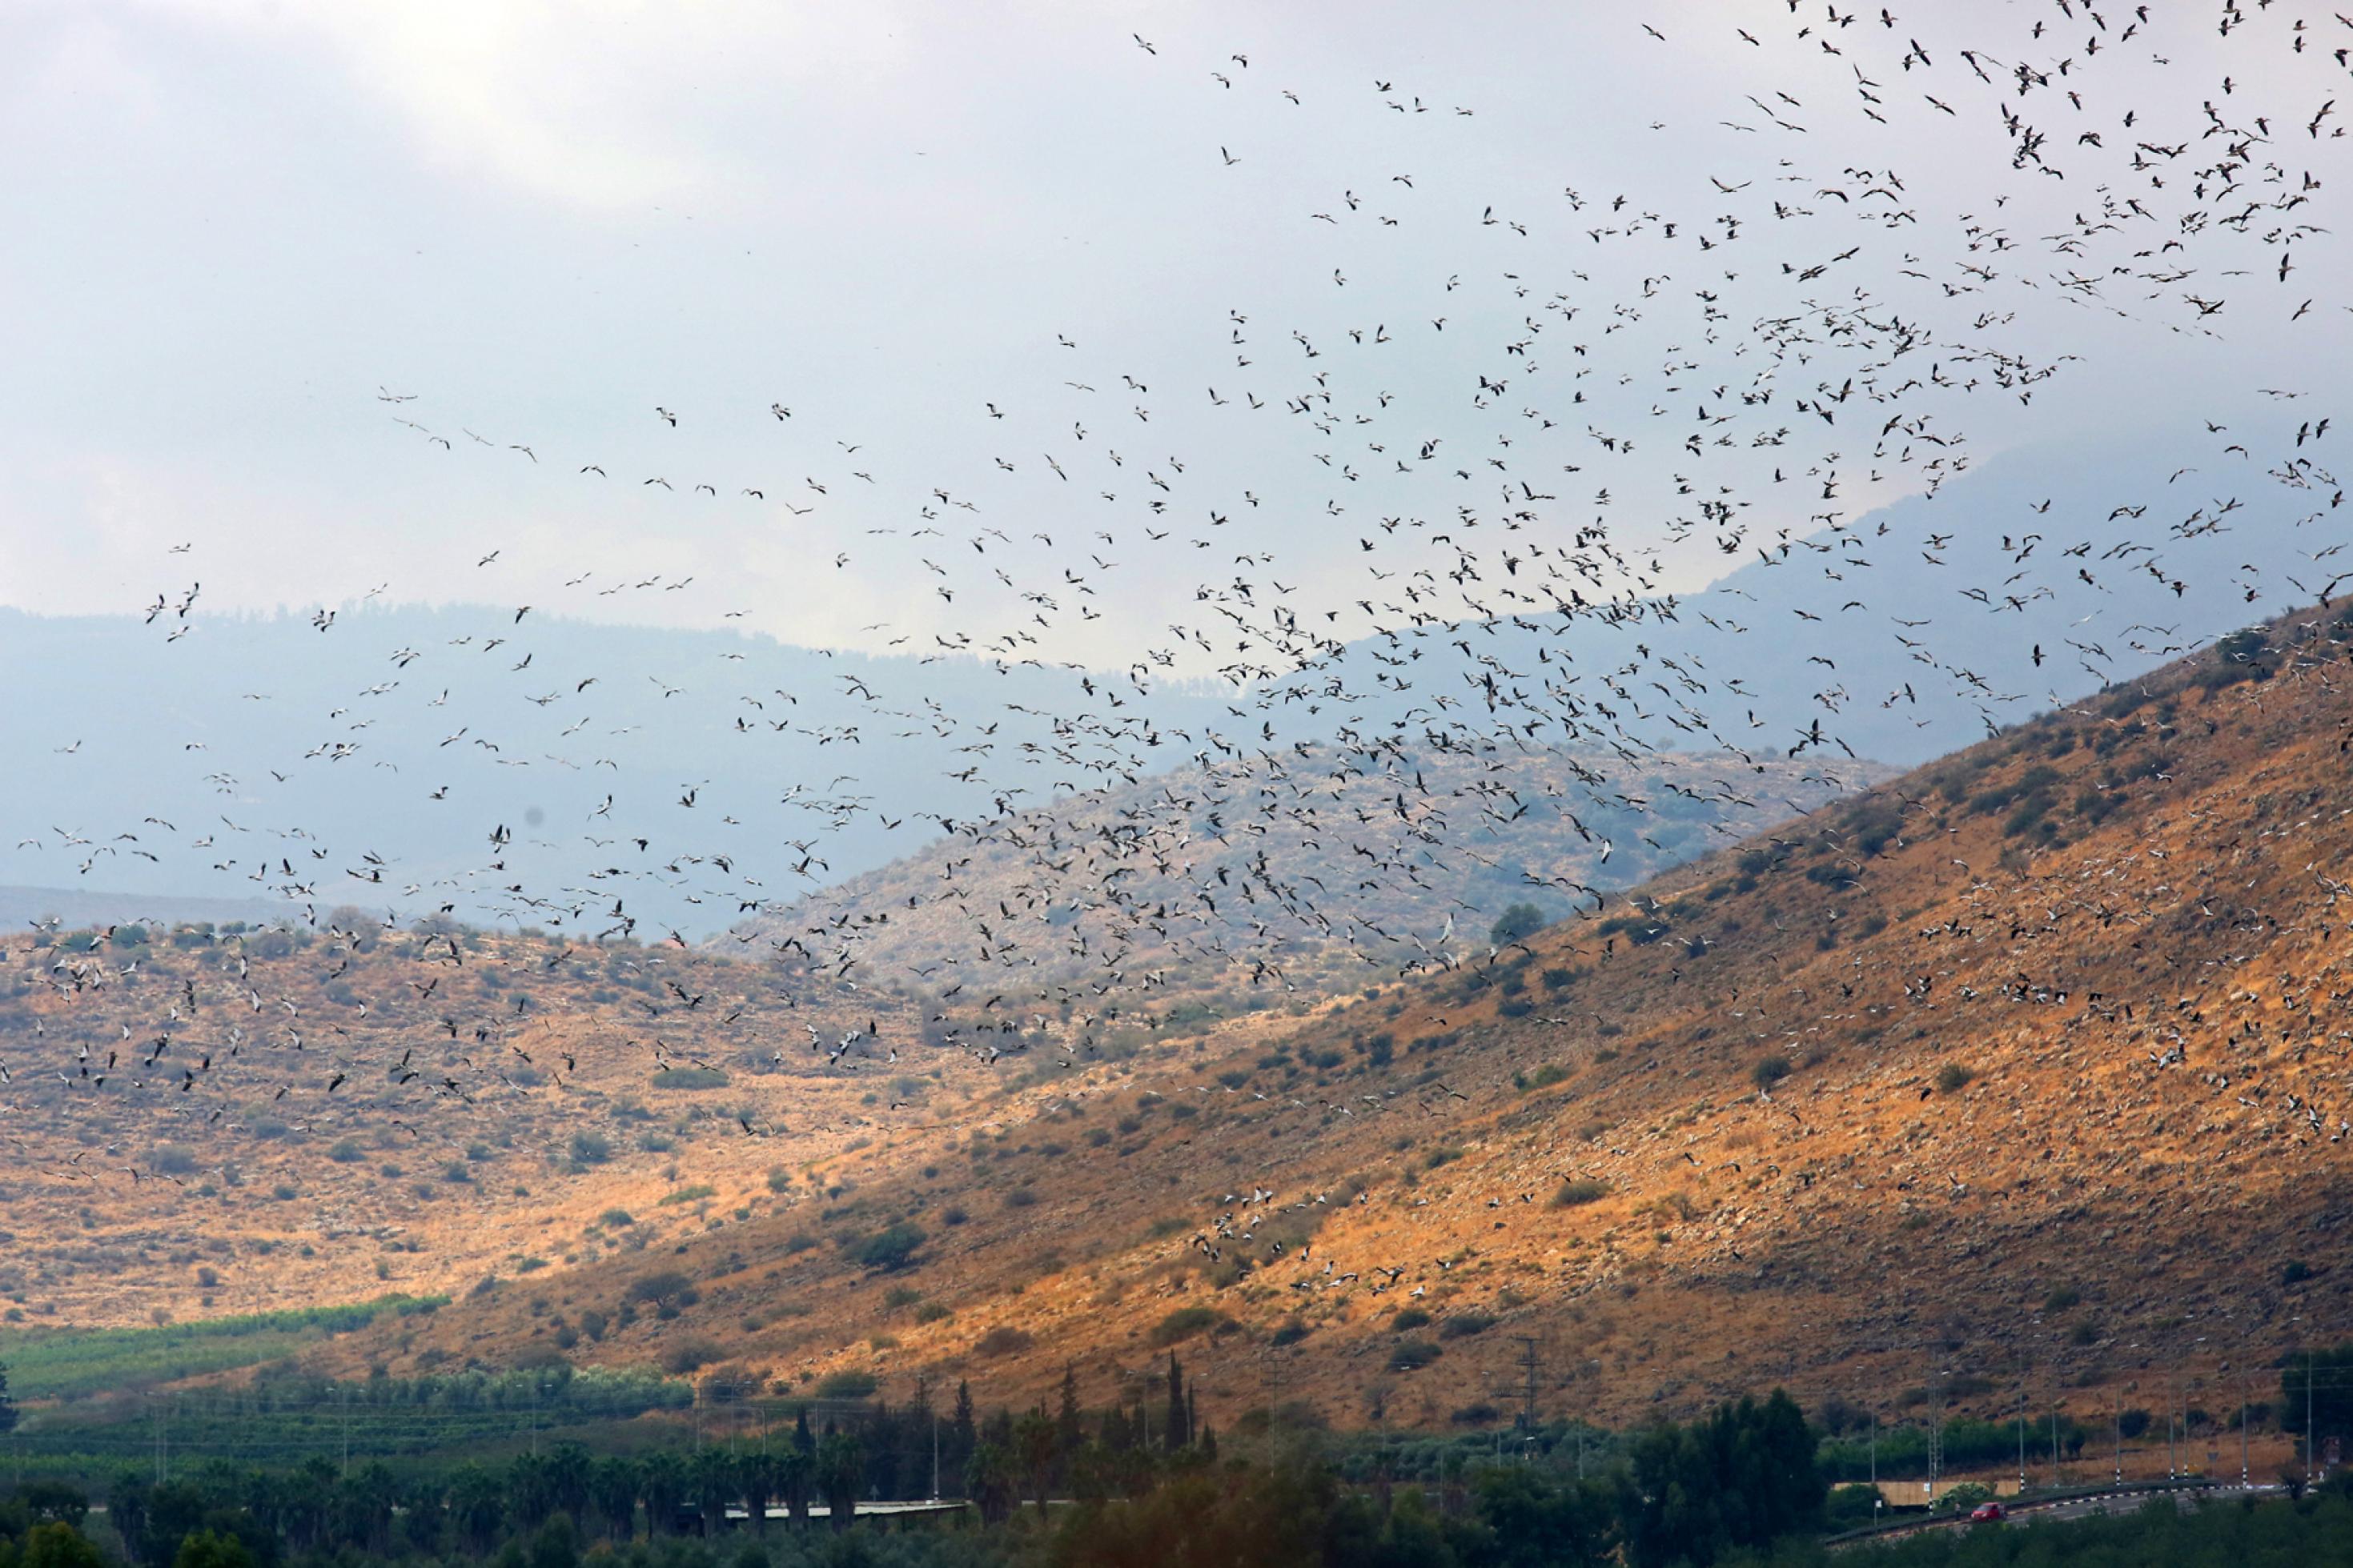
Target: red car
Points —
{"points": [[1988, 1513]]}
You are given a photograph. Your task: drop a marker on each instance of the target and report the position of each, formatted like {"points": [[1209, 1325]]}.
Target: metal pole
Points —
{"points": [[2021, 1439], [2117, 1394], [2171, 1394], [2243, 1429]]}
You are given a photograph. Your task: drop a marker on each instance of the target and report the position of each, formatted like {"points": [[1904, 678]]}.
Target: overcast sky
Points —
{"points": [[235, 221]]}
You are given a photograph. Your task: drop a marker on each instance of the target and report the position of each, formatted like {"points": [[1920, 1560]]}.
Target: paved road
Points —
{"points": [[2126, 1502], [2185, 1498]]}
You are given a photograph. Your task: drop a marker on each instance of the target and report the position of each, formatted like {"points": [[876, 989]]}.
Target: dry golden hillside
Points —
{"points": [[2026, 1068], [206, 1122]]}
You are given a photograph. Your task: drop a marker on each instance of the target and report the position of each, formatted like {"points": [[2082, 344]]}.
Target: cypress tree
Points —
{"points": [[1176, 1431], [1070, 1437]]}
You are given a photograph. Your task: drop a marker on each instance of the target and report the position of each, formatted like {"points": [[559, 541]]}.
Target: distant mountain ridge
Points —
{"points": [[260, 753], [75, 907]]}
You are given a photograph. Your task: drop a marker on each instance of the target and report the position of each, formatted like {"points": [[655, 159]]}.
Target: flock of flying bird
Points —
{"points": [[1773, 344]]}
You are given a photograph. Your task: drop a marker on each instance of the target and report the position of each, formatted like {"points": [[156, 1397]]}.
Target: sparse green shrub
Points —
{"points": [[891, 1247], [848, 1383], [1004, 1340], [1184, 1322], [1517, 923]]}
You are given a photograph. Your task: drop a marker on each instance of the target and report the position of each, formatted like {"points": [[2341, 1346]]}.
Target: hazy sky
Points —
{"points": [[235, 221]]}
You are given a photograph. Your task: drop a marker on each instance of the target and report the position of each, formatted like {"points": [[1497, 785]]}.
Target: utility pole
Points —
{"points": [[1875, 1499], [1530, 1367], [935, 1456], [2307, 1418], [2243, 1429], [2117, 1394], [1935, 1433], [2022, 1439], [2170, 1473]]}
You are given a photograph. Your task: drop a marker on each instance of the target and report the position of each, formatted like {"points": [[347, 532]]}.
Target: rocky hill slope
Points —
{"points": [[2024, 1072], [1306, 874]]}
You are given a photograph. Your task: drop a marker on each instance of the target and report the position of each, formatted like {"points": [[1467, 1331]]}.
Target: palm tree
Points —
{"points": [[1036, 1441], [614, 1482], [662, 1474], [755, 1474], [710, 1482], [988, 1481], [477, 1505], [841, 1472], [532, 1486], [796, 1475]]}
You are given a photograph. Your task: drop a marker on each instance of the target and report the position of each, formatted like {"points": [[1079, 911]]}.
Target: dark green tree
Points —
{"points": [[204, 1549], [1534, 1523], [556, 1544], [1176, 1430], [1517, 923], [1070, 1432], [1741, 1477], [58, 1546], [957, 1443]]}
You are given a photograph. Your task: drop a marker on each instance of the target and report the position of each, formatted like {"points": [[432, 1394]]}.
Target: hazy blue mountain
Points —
{"points": [[88, 907], [2044, 536], [263, 760], [185, 768]]}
